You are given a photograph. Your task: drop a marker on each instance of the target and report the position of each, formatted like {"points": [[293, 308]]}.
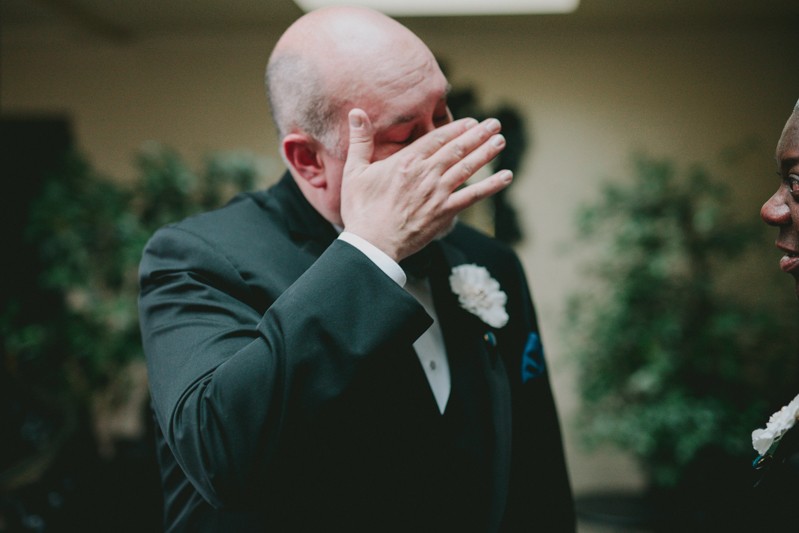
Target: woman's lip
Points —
{"points": [[790, 263]]}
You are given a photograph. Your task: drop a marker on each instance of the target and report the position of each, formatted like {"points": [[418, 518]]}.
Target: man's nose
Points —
{"points": [[775, 212]]}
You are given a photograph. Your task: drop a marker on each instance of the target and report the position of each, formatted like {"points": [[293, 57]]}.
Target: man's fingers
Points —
{"points": [[430, 144], [467, 166], [483, 138], [361, 146], [471, 194]]}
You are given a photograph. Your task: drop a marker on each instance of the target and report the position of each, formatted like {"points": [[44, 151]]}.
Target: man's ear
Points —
{"points": [[302, 154]]}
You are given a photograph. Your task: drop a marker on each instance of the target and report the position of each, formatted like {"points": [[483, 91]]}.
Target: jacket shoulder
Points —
{"points": [[238, 214]]}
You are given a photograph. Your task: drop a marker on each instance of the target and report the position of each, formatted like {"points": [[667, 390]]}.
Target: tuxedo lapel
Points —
{"points": [[465, 335]]}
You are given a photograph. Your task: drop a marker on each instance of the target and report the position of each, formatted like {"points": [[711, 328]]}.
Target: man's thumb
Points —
{"points": [[361, 138]]}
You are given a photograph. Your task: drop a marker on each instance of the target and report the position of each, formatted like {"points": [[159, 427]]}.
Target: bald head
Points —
{"points": [[330, 58]]}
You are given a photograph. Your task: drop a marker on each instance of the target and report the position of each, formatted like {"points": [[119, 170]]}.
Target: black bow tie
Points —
{"points": [[418, 265]]}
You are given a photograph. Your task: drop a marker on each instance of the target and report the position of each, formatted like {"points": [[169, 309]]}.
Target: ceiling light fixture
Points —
{"points": [[425, 8]]}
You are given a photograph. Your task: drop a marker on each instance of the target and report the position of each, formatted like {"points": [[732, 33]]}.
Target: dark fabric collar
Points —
{"points": [[302, 220]]}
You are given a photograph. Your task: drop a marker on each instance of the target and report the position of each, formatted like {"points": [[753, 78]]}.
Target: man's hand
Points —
{"points": [[401, 203]]}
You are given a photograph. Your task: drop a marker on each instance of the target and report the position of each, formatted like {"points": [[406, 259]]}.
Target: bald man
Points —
{"points": [[337, 353]]}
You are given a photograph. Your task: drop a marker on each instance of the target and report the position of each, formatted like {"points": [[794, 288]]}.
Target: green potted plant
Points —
{"points": [[71, 350]]}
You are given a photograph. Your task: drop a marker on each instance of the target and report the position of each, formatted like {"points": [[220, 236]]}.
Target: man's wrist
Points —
{"points": [[383, 261]]}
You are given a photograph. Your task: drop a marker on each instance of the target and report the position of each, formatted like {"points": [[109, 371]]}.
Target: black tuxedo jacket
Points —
{"points": [[288, 397], [772, 503]]}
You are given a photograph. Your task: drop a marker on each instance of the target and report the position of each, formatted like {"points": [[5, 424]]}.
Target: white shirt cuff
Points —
{"points": [[377, 256]]}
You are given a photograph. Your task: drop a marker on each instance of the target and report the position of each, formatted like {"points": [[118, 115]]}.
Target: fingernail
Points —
{"points": [[493, 125], [498, 140], [356, 120], [506, 176]]}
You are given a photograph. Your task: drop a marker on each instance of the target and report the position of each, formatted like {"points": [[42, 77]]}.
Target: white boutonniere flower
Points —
{"points": [[479, 294], [778, 424]]}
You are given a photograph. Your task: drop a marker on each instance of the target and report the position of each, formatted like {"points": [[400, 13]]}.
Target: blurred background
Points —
{"points": [[642, 136]]}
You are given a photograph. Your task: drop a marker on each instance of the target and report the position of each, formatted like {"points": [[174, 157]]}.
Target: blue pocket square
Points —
{"points": [[533, 364]]}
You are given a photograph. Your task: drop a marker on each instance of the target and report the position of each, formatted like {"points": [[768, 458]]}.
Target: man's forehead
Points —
{"points": [[788, 145]]}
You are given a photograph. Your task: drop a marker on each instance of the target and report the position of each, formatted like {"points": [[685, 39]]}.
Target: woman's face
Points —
{"points": [[782, 209]]}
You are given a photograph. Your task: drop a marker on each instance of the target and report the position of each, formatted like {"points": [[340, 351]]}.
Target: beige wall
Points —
{"points": [[591, 97]]}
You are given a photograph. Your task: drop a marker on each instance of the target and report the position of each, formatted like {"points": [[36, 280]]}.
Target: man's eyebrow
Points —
{"points": [[404, 119]]}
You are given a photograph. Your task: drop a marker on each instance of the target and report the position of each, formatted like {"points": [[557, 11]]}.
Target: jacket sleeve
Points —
{"points": [[226, 380]]}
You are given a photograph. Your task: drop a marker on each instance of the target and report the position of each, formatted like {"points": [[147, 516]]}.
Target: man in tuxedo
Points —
{"points": [[337, 353], [777, 486]]}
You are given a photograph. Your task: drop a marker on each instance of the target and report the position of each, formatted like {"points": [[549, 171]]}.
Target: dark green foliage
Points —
{"points": [[671, 364], [90, 232]]}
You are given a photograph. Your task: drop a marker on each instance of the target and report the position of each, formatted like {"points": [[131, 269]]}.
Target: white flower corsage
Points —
{"points": [[479, 294], [778, 424]]}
